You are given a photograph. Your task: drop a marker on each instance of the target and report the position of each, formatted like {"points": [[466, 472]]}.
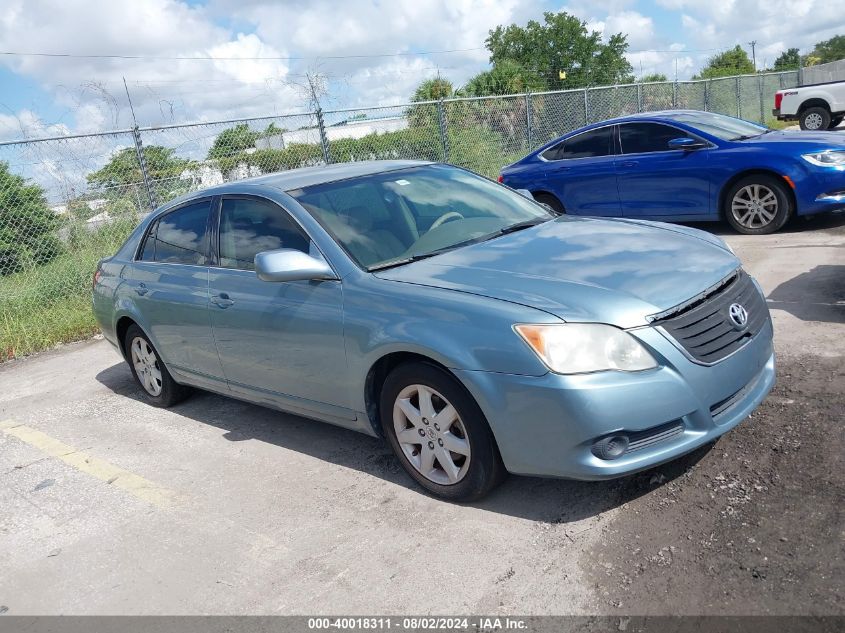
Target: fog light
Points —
{"points": [[611, 447]]}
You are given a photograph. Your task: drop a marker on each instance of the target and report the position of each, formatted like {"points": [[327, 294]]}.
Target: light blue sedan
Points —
{"points": [[473, 330]]}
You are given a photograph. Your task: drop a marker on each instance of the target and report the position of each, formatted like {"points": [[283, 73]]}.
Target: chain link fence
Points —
{"points": [[66, 202]]}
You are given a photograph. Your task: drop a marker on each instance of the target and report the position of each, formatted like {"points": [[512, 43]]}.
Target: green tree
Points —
{"points": [[505, 78], [123, 168], [434, 90], [27, 225], [830, 50], [734, 61], [653, 77], [562, 45], [233, 140], [788, 60]]}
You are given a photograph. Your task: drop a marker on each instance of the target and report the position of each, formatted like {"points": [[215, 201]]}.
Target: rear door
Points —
{"points": [[580, 171], [656, 181], [169, 282]]}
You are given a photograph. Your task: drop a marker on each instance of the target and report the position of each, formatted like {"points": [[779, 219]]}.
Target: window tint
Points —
{"points": [[249, 226], [637, 138], [181, 237], [589, 144]]}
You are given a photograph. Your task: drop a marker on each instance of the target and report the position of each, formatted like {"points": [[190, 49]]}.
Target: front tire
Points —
{"points": [[814, 119], [438, 433], [551, 202], [157, 385], [758, 204]]}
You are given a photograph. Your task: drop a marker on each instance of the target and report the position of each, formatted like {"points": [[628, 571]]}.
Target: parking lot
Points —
{"points": [[111, 506]]}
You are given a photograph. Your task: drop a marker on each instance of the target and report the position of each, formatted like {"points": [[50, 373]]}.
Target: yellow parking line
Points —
{"points": [[134, 484]]}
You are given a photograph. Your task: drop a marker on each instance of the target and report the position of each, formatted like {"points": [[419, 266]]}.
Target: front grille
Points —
{"points": [[704, 328]]}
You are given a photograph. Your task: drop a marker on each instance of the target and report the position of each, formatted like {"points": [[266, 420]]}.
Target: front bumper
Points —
{"points": [[546, 425]]}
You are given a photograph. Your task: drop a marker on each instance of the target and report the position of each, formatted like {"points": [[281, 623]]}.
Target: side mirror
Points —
{"points": [[686, 143], [286, 264]]}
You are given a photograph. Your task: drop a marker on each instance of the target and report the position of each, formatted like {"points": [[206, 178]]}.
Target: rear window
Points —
{"points": [[589, 144], [179, 237]]}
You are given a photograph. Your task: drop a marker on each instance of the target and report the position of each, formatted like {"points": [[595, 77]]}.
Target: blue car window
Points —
{"points": [[640, 138], [181, 236], [598, 142], [249, 226]]}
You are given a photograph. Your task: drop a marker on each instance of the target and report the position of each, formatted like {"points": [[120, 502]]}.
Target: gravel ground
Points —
{"points": [[219, 507]]}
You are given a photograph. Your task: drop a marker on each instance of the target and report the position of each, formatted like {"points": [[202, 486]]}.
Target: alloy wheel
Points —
{"points": [[754, 206], [146, 366], [813, 121], [431, 434]]}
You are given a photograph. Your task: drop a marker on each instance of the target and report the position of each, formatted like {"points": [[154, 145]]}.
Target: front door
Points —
{"points": [[656, 181], [278, 341]]}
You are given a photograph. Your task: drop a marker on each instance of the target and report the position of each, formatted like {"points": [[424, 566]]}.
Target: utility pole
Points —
{"points": [[753, 45]]}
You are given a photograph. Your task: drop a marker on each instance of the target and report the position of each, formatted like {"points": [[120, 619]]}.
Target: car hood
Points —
{"points": [[583, 269], [806, 141]]}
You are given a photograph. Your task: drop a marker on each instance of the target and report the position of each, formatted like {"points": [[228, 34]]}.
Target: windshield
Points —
{"points": [[394, 217], [723, 127]]}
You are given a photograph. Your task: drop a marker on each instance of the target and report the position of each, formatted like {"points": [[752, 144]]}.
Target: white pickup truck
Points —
{"points": [[815, 107]]}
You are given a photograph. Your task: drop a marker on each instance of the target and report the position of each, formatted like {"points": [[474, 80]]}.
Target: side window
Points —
{"points": [[587, 145], [639, 138], [181, 237], [249, 226], [149, 250]]}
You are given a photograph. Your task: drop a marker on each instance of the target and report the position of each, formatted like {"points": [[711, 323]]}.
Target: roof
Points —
{"points": [[658, 114], [309, 176]]}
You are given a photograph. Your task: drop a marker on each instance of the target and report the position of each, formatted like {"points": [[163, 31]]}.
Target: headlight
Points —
{"points": [[828, 158], [574, 348]]}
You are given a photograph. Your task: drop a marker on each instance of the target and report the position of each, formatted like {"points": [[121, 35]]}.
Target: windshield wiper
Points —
{"points": [[745, 137], [415, 258], [519, 226]]}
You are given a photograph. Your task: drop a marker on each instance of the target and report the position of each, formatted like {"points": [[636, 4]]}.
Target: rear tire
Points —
{"points": [[550, 201], [758, 204], [157, 385], [430, 419], [814, 119]]}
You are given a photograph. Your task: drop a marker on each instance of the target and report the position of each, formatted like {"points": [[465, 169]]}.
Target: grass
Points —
{"points": [[51, 304]]}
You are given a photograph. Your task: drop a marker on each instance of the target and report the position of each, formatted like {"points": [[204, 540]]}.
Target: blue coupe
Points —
{"points": [[468, 326], [687, 166]]}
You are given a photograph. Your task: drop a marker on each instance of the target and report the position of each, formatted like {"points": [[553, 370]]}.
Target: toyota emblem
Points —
{"points": [[739, 316]]}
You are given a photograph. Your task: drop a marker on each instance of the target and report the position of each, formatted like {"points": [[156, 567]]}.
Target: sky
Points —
{"points": [[370, 52]]}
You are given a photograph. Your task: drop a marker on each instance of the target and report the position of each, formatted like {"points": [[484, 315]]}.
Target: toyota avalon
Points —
{"points": [[475, 331]]}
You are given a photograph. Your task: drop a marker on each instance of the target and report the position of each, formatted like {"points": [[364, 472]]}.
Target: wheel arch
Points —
{"points": [[815, 102], [723, 192], [120, 328], [379, 371]]}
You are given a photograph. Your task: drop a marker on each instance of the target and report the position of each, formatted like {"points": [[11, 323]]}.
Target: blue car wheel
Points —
{"points": [[758, 204]]}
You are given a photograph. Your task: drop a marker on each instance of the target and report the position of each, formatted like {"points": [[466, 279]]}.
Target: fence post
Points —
{"points": [[760, 92], [639, 97], [142, 163], [528, 121], [586, 108], [738, 98], [444, 131], [706, 95], [324, 140], [675, 94]]}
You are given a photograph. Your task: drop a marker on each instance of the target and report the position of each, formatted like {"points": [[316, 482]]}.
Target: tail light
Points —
{"points": [[97, 274], [778, 100], [501, 178]]}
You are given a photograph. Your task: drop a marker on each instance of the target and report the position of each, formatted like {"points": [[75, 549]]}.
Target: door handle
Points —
{"points": [[222, 300], [142, 289], [629, 163]]}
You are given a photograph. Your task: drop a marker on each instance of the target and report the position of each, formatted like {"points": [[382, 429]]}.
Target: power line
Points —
{"points": [[212, 59]]}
